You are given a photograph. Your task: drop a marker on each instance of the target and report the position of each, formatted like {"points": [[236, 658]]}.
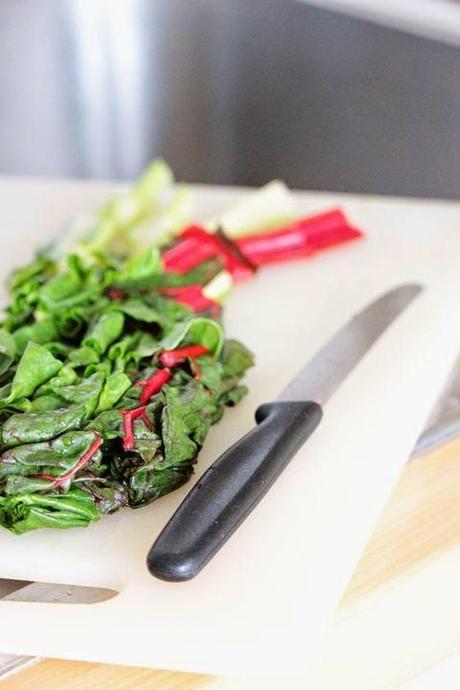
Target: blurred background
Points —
{"points": [[348, 96]]}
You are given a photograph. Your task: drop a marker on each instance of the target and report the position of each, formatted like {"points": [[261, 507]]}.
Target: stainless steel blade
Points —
{"points": [[322, 375], [444, 422], [52, 592]]}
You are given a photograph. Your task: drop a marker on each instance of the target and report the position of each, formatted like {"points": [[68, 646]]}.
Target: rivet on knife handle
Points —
{"points": [[230, 489]]}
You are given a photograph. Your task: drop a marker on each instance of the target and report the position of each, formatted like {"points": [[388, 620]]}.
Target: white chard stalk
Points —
{"points": [[268, 208]]}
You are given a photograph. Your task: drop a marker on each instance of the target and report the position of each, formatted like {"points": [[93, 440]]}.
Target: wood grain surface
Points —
{"points": [[421, 521]]}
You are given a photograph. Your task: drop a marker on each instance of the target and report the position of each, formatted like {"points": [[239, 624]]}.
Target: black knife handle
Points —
{"points": [[230, 489]]}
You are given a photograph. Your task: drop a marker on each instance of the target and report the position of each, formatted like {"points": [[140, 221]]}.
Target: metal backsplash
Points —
{"points": [[229, 92]]}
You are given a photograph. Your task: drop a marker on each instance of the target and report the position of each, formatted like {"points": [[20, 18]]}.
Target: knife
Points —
{"points": [[234, 484]]}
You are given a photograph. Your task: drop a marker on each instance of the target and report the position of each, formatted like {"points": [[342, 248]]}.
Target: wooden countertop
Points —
{"points": [[420, 524]]}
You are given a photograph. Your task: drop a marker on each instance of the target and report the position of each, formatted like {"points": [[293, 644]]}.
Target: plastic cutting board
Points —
{"points": [[265, 601]]}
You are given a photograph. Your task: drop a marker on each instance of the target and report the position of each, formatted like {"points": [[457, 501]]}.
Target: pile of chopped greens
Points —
{"points": [[91, 418], [113, 359]]}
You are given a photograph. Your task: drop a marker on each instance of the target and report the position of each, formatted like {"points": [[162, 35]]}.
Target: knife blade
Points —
{"points": [[234, 484], [443, 424]]}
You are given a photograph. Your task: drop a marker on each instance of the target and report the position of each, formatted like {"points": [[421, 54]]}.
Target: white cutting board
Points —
{"points": [[264, 602]]}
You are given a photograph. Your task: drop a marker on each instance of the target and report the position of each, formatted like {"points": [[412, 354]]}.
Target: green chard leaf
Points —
{"points": [[146, 347], [197, 331], [41, 332], [65, 377], [107, 328], [36, 366], [58, 350], [125, 348], [63, 286], [115, 387], [138, 309], [7, 351], [236, 358], [40, 266], [24, 512], [60, 454], [83, 356], [70, 322], [108, 424], [87, 391], [141, 271], [32, 427], [45, 403]]}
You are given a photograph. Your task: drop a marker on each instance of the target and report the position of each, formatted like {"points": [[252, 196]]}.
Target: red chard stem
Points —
{"points": [[153, 384], [171, 358]]}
